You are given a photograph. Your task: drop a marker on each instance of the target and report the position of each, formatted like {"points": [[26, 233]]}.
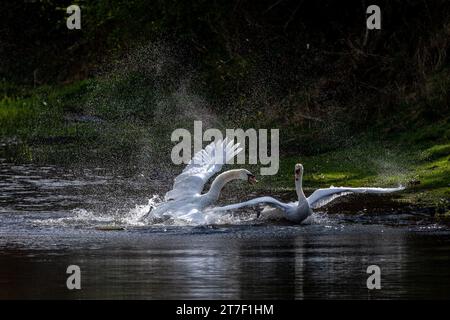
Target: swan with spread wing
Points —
{"points": [[300, 210], [186, 200]]}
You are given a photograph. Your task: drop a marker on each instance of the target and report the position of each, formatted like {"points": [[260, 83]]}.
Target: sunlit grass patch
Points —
{"points": [[16, 115], [436, 151], [424, 170]]}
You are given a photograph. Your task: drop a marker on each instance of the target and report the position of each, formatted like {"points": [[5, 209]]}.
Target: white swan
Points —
{"points": [[185, 200], [300, 210]]}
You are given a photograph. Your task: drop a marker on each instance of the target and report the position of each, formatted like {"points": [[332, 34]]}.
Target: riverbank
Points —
{"points": [[62, 125]]}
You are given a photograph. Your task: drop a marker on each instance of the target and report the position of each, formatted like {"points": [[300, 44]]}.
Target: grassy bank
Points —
{"points": [[423, 168], [59, 125]]}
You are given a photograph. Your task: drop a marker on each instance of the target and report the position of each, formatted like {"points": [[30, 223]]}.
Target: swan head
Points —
{"points": [[247, 175], [298, 172]]}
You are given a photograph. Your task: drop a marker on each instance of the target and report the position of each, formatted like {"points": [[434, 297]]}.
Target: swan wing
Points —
{"points": [[321, 197], [201, 167], [254, 202]]}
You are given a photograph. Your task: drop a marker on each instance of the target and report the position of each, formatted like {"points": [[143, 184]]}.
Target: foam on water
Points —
{"points": [[141, 216], [76, 218]]}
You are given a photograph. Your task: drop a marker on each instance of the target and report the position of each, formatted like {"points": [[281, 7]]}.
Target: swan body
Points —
{"points": [[298, 211], [186, 200]]}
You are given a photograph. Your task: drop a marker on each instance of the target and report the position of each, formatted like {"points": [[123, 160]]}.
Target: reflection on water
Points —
{"points": [[41, 234]]}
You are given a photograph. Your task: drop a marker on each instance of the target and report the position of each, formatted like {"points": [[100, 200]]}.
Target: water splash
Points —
{"points": [[139, 217], [135, 216], [77, 218]]}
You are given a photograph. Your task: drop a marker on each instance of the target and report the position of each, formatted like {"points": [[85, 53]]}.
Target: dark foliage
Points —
{"points": [[311, 60]]}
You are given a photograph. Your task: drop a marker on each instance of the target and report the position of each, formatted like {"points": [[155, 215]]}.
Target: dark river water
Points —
{"points": [[51, 218]]}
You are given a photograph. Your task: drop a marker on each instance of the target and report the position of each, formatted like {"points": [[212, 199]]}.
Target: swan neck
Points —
{"points": [[299, 187], [219, 182]]}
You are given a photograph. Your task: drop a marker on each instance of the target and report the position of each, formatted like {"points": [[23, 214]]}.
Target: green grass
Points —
{"points": [[39, 113], [16, 115], [424, 170]]}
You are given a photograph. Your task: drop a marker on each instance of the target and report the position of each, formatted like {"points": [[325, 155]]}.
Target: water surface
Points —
{"points": [[50, 218]]}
